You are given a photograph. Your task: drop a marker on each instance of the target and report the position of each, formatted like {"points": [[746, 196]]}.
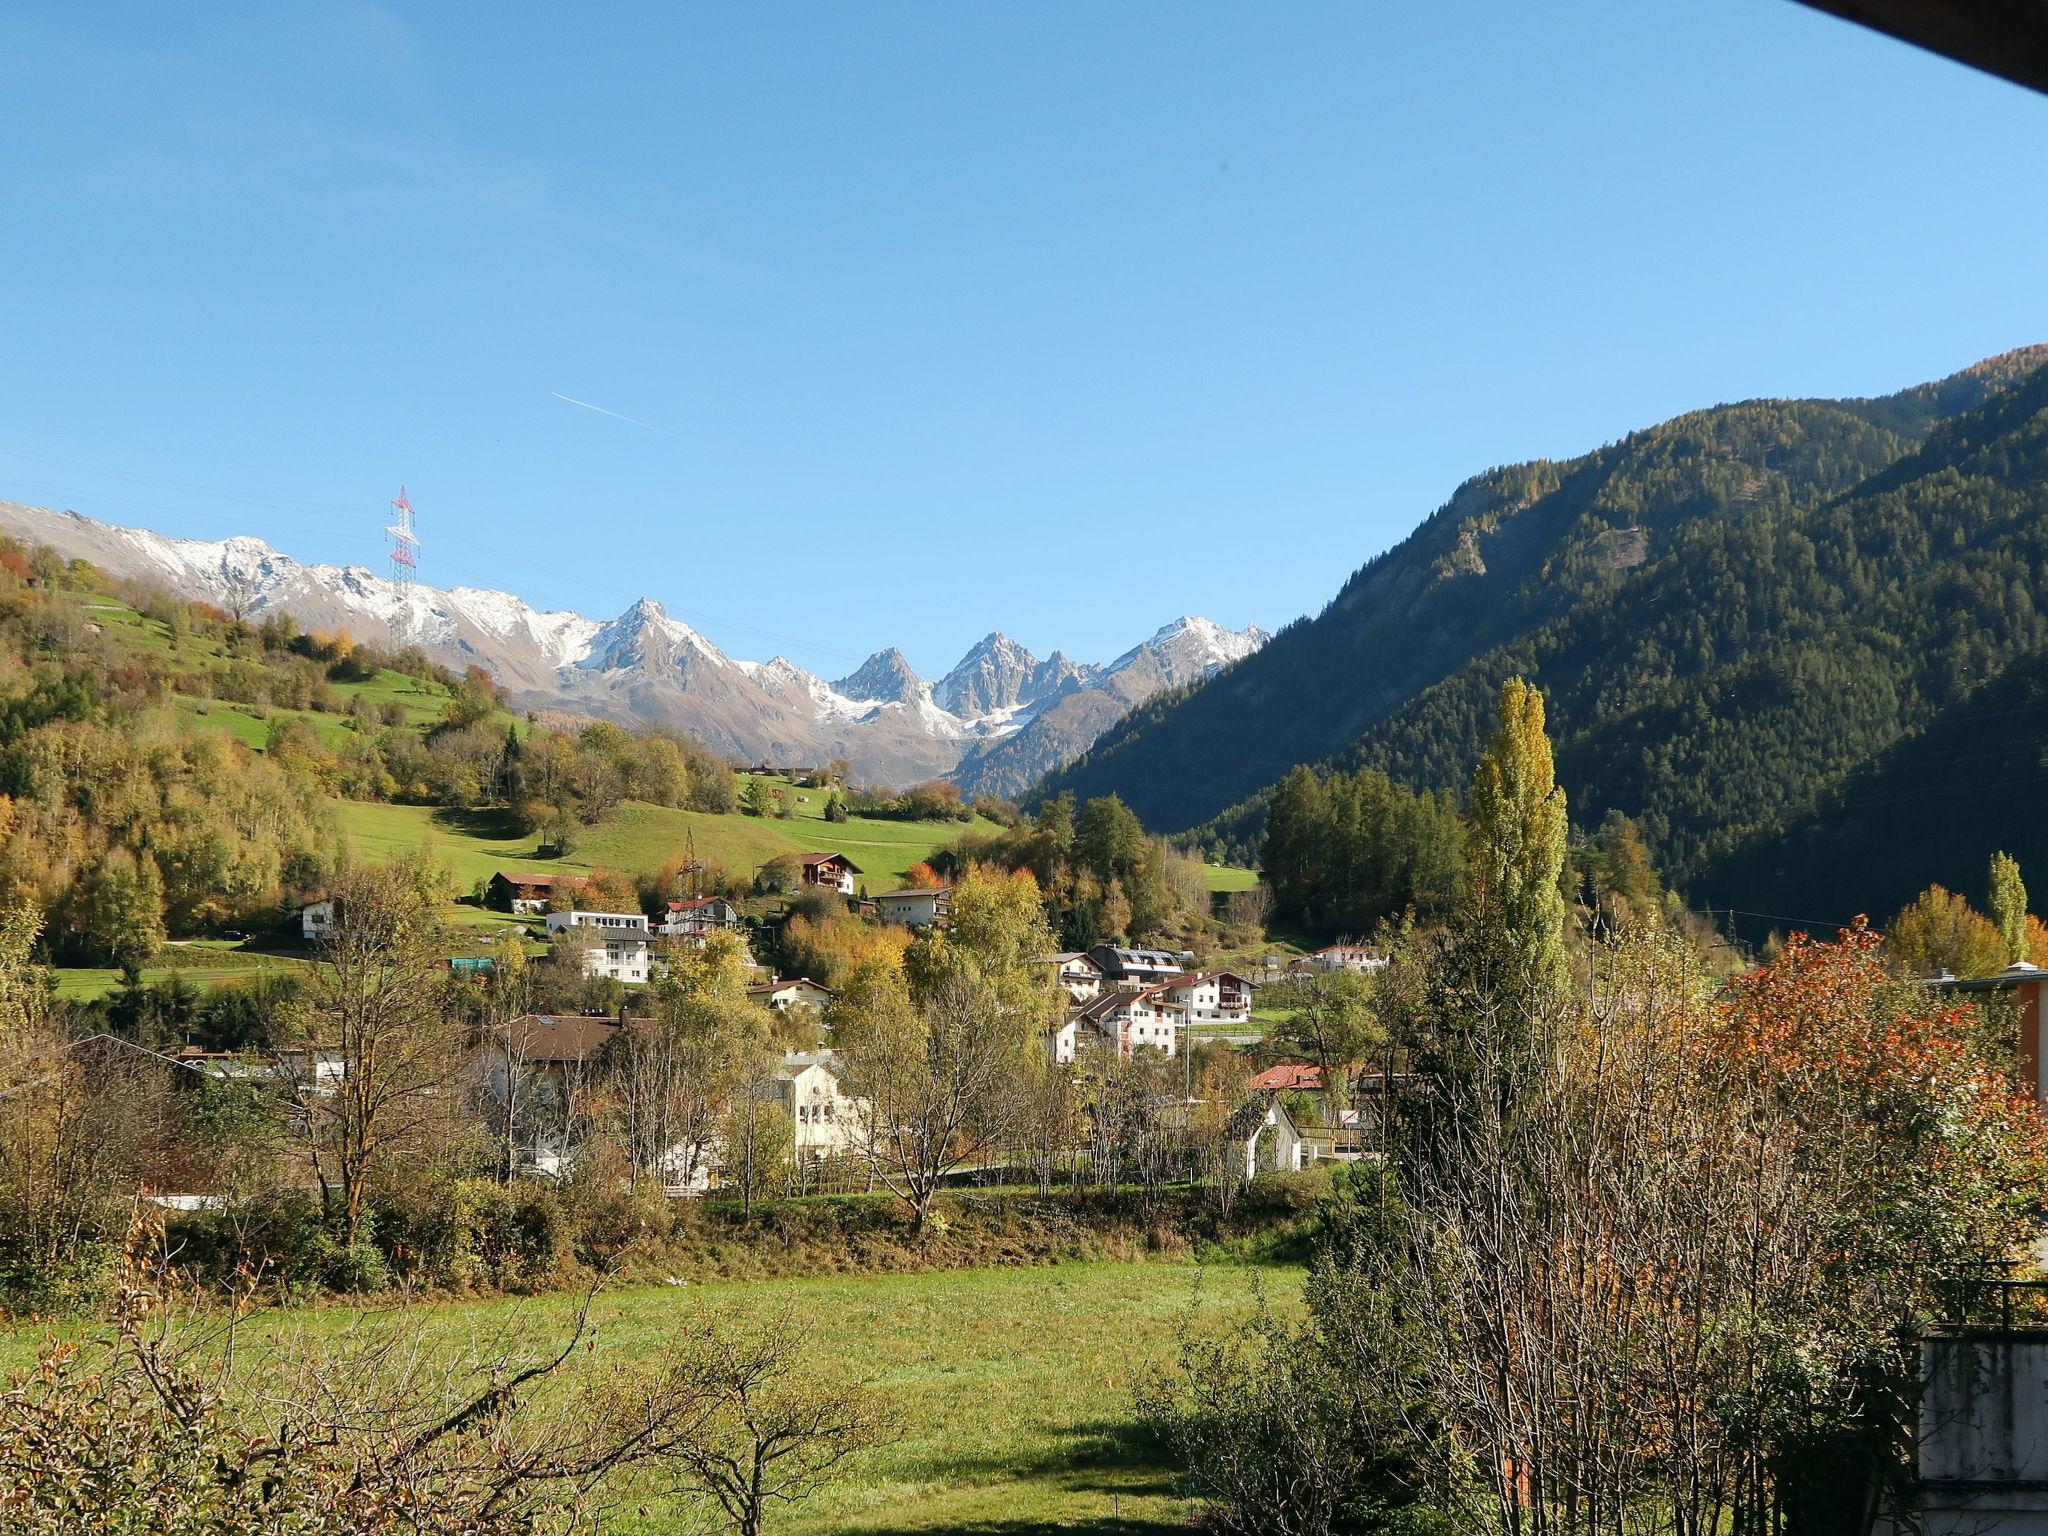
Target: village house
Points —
{"points": [[915, 909], [1214, 997], [535, 1067], [2021, 986], [698, 917], [1272, 1141], [615, 946], [1347, 957], [1078, 973], [309, 1068], [832, 871], [316, 920], [618, 922], [1329, 1131], [616, 956], [825, 1120], [1134, 969], [791, 992], [1135, 1020], [526, 894], [1062, 1041]]}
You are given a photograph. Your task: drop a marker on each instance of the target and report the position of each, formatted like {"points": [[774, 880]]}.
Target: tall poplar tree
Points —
{"points": [[1516, 848], [2009, 905]]}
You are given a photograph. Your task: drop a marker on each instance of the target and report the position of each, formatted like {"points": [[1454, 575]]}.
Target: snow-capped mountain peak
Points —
{"points": [[645, 665], [1191, 647]]}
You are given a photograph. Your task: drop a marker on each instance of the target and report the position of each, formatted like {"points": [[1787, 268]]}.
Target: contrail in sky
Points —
{"points": [[617, 415]]}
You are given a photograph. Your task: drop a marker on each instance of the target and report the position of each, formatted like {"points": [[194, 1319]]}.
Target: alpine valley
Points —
{"points": [[995, 723]]}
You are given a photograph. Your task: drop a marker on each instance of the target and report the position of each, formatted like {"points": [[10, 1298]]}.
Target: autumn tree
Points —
{"points": [[396, 1051], [676, 1070], [1939, 931], [1330, 1022], [932, 1048]]}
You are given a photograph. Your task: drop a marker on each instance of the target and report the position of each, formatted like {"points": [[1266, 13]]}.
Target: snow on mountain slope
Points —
{"points": [[647, 666]]}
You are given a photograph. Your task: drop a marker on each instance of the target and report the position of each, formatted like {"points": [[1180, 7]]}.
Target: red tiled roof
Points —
{"points": [[1290, 1077]]}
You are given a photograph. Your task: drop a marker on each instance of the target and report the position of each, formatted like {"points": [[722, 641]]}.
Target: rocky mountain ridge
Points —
{"points": [[647, 666]]}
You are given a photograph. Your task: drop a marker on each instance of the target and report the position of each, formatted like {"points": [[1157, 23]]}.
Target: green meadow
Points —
{"points": [[640, 838], [1008, 1391]]}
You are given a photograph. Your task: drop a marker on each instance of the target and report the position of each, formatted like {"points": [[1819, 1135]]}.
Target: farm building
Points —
{"points": [[915, 909], [520, 892]]}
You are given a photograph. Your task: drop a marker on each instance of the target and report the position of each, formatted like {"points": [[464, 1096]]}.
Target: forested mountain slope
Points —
{"points": [[1729, 610], [1933, 807], [1752, 663]]}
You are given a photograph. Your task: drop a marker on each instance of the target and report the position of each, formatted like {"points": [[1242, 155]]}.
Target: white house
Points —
{"points": [[1078, 973], [791, 992], [621, 957], [696, 918], [1272, 1141], [316, 920], [915, 909], [614, 922], [616, 946], [535, 1066], [1347, 957], [1136, 1020], [826, 1121], [833, 871], [1062, 1041], [1214, 997]]}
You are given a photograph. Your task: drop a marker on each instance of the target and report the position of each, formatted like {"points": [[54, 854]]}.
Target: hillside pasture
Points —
{"points": [[639, 838]]}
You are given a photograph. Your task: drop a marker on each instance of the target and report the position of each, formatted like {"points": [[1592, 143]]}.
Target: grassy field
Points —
{"points": [[639, 838], [1009, 1390], [203, 962], [1225, 877]]}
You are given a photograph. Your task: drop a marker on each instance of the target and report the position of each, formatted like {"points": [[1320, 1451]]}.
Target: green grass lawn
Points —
{"points": [[203, 962], [1225, 877], [1009, 1389], [639, 838]]}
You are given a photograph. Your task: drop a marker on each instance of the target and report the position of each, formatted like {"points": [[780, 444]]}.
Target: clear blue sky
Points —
{"points": [[1063, 319]]}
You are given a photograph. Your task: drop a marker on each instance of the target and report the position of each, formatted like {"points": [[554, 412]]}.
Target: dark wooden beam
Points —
{"points": [[2007, 38]]}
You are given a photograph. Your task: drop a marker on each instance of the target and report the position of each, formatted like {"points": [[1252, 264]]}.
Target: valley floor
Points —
{"points": [[1010, 1389]]}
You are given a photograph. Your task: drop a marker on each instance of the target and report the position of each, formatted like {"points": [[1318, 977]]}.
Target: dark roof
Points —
{"points": [[1142, 959], [813, 860], [921, 890], [558, 1037], [2012, 976], [1111, 1002]]}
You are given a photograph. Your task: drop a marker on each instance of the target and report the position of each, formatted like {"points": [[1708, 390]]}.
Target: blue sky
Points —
{"points": [[1062, 319]]}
